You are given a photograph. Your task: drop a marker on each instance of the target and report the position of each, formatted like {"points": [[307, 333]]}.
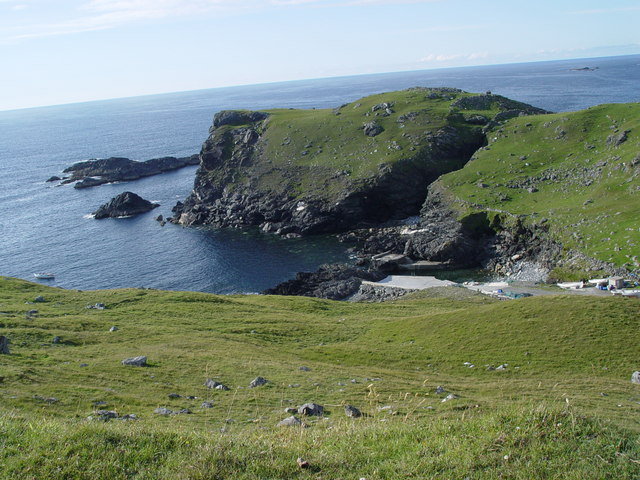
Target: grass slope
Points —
{"points": [[567, 171], [563, 408]]}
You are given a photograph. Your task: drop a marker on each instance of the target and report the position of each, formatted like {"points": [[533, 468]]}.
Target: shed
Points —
{"points": [[616, 282]]}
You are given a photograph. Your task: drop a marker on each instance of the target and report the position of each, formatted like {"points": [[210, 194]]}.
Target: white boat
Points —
{"points": [[571, 285], [626, 293], [44, 275]]}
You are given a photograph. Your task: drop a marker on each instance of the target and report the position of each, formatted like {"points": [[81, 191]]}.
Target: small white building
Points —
{"points": [[616, 282]]}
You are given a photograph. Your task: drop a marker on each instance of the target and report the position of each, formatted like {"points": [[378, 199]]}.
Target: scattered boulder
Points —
{"points": [[439, 390], [113, 329], [105, 415], [55, 340], [257, 382], [163, 411], [351, 411], [174, 395], [617, 139], [451, 396], [206, 405], [210, 383], [371, 129], [304, 369], [140, 361], [302, 463], [39, 299], [53, 178], [290, 422], [290, 410], [311, 410], [124, 205], [635, 377], [4, 345]]}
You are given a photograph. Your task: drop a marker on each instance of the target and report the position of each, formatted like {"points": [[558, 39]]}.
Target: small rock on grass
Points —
{"points": [[351, 411], [302, 463], [140, 361], [311, 409], [439, 390], [206, 405], [451, 396], [635, 377], [210, 383], [290, 422], [257, 382]]}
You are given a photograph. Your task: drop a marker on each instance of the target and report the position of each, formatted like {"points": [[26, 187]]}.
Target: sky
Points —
{"points": [[64, 51]]}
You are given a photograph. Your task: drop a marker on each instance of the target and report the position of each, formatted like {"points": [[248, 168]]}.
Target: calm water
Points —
{"points": [[46, 228]]}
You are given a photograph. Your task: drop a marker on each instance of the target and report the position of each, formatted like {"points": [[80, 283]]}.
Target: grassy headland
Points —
{"points": [[577, 174], [562, 408]]}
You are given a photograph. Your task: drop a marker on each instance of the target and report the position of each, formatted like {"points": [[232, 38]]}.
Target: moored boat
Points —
{"points": [[44, 275]]}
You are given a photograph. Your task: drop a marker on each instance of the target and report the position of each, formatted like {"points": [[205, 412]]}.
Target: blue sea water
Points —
{"points": [[47, 228]]}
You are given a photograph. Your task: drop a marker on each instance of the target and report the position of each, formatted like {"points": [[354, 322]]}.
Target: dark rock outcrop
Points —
{"points": [[334, 282], [124, 205], [118, 169]]}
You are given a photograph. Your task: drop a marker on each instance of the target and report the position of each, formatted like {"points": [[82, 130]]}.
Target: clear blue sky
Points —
{"points": [[62, 51]]}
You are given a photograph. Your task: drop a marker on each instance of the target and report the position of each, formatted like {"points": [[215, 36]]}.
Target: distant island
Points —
{"points": [[95, 172], [585, 69]]}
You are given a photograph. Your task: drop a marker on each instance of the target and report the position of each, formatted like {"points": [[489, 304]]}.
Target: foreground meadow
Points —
{"points": [[537, 387]]}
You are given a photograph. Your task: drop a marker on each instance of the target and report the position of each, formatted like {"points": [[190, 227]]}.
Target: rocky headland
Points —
{"points": [[430, 175], [91, 173], [326, 171]]}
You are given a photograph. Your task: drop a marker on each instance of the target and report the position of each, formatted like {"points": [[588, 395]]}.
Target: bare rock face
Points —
{"points": [[124, 205]]}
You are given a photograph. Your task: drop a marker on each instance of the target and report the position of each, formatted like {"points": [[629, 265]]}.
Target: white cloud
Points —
{"points": [[93, 15], [433, 57]]}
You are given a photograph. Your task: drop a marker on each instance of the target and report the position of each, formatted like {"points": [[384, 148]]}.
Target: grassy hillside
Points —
{"points": [[563, 407], [576, 173]]}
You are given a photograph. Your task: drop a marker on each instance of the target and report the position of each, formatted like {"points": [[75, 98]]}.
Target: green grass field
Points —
{"points": [[564, 407]]}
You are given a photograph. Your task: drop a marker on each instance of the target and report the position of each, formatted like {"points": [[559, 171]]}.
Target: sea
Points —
{"points": [[45, 227]]}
